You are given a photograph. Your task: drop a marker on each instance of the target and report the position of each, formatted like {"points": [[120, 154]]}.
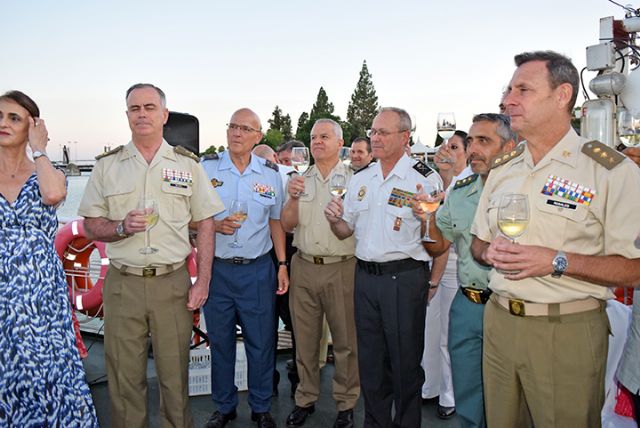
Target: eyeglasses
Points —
{"points": [[242, 128], [381, 132]]}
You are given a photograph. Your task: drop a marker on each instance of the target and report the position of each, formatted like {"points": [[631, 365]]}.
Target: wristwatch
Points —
{"points": [[120, 230], [38, 154], [560, 264]]}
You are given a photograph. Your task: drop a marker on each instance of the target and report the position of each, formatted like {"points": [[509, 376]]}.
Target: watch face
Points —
{"points": [[560, 263]]}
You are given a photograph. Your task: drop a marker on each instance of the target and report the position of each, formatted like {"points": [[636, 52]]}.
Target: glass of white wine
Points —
{"points": [[238, 211], [629, 127], [431, 202], [150, 208], [338, 185], [513, 215], [446, 128], [300, 161], [345, 155]]}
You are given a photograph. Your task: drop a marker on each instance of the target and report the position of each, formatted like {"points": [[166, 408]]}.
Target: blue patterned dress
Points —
{"points": [[42, 381]]}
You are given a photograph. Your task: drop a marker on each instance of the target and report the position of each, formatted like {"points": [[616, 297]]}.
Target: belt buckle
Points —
{"points": [[474, 296], [516, 307], [318, 260], [237, 260], [148, 272]]}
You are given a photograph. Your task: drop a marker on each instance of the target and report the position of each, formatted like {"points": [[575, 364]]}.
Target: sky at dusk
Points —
{"points": [[77, 58]]}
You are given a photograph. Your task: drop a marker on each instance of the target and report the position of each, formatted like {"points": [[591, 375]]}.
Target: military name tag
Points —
{"points": [[566, 189], [400, 198], [559, 204], [397, 223]]}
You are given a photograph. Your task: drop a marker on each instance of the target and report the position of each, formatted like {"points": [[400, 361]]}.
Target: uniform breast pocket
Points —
{"points": [[401, 225], [259, 206], [121, 198], [566, 221], [175, 202]]}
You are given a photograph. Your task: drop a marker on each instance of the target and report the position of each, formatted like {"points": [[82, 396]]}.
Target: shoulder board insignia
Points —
{"points": [[465, 181], [506, 157], [186, 152], [271, 165], [210, 156], [423, 168], [603, 154], [109, 153]]}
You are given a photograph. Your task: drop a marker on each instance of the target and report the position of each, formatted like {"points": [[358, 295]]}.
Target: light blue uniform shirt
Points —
{"points": [[260, 186]]}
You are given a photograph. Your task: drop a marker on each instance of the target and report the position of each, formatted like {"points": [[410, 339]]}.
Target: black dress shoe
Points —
{"points": [[445, 412], [218, 420], [299, 414], [344, 419], [263, 420]]}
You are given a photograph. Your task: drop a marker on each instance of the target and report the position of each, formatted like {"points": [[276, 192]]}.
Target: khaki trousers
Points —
{"points": [[317, 291], [545, 370], [135, 307]]}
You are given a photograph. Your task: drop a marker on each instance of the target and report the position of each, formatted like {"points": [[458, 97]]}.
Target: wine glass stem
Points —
{"points": [[426, 230], [147, 238], [235, 237]]}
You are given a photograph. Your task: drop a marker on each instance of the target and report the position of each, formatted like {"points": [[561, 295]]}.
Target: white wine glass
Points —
{"points": [[446, 128], [433, 195], [300, 161], [513, 215], [338, 185], [629, 127], [150, 208], [238, 211], [345, 155]]}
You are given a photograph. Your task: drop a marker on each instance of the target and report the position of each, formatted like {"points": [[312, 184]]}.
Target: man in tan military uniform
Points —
{"points": [[545, 327], [150, 293], [322, 278]]}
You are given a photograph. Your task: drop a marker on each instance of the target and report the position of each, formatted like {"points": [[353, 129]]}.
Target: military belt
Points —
{"points": [[147, 271], [522, 308]]}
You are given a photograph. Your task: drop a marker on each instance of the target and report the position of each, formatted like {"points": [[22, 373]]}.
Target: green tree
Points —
{"points": [[276, 119], [322, 107], [210, 150], [302, 121], [273, 138], [221, 149], [363, 105], [287, 131]]}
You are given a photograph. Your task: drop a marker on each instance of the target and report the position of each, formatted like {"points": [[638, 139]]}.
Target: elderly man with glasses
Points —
{"points": [[243, 285], [392, 271]]}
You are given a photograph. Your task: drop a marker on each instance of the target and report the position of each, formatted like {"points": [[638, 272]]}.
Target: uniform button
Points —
{"points": [[454, 225], [393, 277]]}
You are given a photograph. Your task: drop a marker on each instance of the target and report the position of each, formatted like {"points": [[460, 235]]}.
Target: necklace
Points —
{"points": [[15, 172]]}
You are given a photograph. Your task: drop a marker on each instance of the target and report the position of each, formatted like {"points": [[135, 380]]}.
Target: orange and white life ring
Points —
{"points": [[74, 249]]}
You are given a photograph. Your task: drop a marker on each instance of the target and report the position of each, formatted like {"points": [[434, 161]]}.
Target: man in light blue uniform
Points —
{"points": [[241, 289], [490, 135]]}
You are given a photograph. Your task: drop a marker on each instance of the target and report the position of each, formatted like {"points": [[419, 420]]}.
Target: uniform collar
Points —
{"points": [[338, 168], [565, 151], [165, 151], [399, 169], [475, 187], [226, 163]]}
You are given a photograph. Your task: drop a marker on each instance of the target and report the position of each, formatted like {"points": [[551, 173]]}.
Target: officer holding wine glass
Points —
{"points": [[545, 326], [322, 278], [243, 287], [149, 292]]}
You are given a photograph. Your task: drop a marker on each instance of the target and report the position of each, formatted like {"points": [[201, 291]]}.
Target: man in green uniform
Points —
{"points": [[150, 294], [489, 136]]}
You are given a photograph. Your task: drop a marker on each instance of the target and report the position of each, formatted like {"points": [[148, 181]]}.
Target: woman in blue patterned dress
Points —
{"points": [[42, 381]]}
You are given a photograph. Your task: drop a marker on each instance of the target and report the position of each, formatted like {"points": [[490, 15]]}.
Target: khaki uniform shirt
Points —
{"points": [[313, 234], [179, 186], [605, 224]]}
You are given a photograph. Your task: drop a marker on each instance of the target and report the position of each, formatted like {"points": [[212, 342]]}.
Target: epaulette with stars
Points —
{"points": [[271, 165], [423, 168], [186, 152], [506, 157], [109, 153], [465, 181], [210, 156], [603, 154]]}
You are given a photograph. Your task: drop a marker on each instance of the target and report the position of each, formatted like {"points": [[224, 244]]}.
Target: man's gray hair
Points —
{"points": [[561, 70], [405, 120], [163, 97], [337, 129], [503, 129]]}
